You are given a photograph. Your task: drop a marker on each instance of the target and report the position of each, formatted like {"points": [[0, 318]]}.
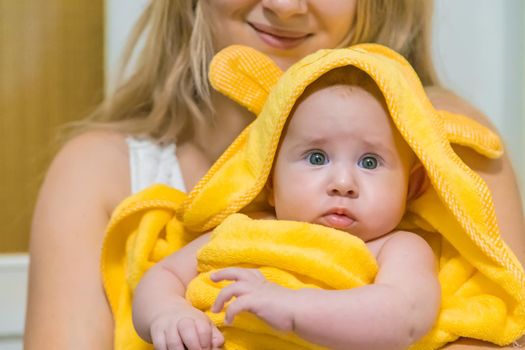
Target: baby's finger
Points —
{"points": [[204, 333], [158, 338], [233, 290], [236, 274], [217, 339], [242, 303], [188, 334], [172, 339]]}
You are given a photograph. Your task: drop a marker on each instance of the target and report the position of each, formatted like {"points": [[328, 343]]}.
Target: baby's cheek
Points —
{"points": [[295, 205], [390, 213]]}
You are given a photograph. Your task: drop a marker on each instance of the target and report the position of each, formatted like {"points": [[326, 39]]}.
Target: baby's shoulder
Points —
{"points": [[397, 241]]}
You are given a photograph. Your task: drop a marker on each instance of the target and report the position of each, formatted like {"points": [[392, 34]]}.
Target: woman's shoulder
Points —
{"points": [[96, 161], [96, 141], [444, 99]]}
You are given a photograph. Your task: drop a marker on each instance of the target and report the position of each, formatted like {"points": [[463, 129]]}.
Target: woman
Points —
{"points": [[185, 126]]}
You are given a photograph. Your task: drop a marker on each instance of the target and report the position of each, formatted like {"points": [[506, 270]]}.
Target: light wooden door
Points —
{"points": [[51, 72]]}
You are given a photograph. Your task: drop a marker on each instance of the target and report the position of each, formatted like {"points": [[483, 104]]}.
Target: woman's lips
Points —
{"points": [[279, 39]]}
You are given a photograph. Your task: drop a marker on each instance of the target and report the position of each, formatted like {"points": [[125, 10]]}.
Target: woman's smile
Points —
{"points": [[279, 38]]}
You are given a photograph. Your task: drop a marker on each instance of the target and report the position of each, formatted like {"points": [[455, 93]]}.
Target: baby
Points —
{"points": [[341, 163]]}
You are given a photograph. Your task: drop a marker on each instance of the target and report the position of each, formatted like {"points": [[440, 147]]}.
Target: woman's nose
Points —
{"points": [[284, 9], [343, 184]]}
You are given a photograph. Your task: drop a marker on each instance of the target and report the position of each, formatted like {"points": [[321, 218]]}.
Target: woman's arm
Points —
{"points": [[498, 174], [67, 307]]}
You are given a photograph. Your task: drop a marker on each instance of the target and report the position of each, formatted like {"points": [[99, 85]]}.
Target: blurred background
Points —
{"points": [[57, 58]]}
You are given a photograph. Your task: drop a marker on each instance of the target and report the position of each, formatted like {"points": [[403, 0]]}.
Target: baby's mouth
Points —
{"points": [[337, 218]]}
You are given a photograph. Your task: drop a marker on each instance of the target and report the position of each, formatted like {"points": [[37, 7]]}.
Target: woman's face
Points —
{"points": [[285, 30]]}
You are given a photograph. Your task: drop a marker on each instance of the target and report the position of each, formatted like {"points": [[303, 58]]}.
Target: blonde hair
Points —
{"points": [[403, 25], [168, 92]]}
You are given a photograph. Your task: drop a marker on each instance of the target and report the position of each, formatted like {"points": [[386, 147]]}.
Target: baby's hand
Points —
{"points": [[255, 294], [189, 329]]}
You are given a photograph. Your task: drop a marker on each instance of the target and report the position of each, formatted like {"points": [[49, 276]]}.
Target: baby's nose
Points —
{"points": [[343, 184]]}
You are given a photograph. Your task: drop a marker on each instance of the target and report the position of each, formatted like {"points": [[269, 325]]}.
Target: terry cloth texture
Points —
{"points": [[482, 281]]}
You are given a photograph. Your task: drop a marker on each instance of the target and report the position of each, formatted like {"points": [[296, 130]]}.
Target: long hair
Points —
{"points": [[403, 25], [168, 92]]}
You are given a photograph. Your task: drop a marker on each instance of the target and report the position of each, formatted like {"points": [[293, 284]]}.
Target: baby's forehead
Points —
{"points": [[344, 80], [344, 90], [348, 75]]}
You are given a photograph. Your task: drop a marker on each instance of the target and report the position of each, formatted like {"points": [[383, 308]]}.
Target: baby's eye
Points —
{"points": [[368, 162], [317, 158]]}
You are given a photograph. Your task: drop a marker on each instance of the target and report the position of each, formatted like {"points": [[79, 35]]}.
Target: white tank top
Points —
{"points": [[151, 163]]}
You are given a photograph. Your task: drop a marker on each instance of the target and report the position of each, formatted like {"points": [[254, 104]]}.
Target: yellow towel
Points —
{"points": [[482, 281], [293, 254]]}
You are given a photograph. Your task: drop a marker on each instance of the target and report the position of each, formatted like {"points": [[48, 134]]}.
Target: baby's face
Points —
{"points": [[342, 164]]}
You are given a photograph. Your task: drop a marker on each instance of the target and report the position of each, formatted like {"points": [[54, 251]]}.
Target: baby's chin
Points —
{"points": [[366, 234]]}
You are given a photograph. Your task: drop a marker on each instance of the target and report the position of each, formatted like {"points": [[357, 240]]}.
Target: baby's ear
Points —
{"points": [[269, 191], [245, 75], [417, 181]]}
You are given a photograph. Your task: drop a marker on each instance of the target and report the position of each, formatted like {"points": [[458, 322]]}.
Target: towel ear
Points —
{"points": [[464, 131], [245, 75], [417, 182]]}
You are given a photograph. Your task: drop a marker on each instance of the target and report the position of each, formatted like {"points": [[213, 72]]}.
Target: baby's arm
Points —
{"points": [[162, 315], [392, 313]]}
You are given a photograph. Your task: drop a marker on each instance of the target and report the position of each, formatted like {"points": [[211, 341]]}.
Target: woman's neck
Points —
{"points": [[230, 119], [210, 140]]}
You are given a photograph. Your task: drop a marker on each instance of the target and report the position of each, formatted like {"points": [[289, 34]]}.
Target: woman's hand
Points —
{"points": [[255, 294]]}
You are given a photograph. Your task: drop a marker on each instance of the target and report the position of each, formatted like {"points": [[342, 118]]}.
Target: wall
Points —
{"points": [[13, 289], [120, 17]]}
